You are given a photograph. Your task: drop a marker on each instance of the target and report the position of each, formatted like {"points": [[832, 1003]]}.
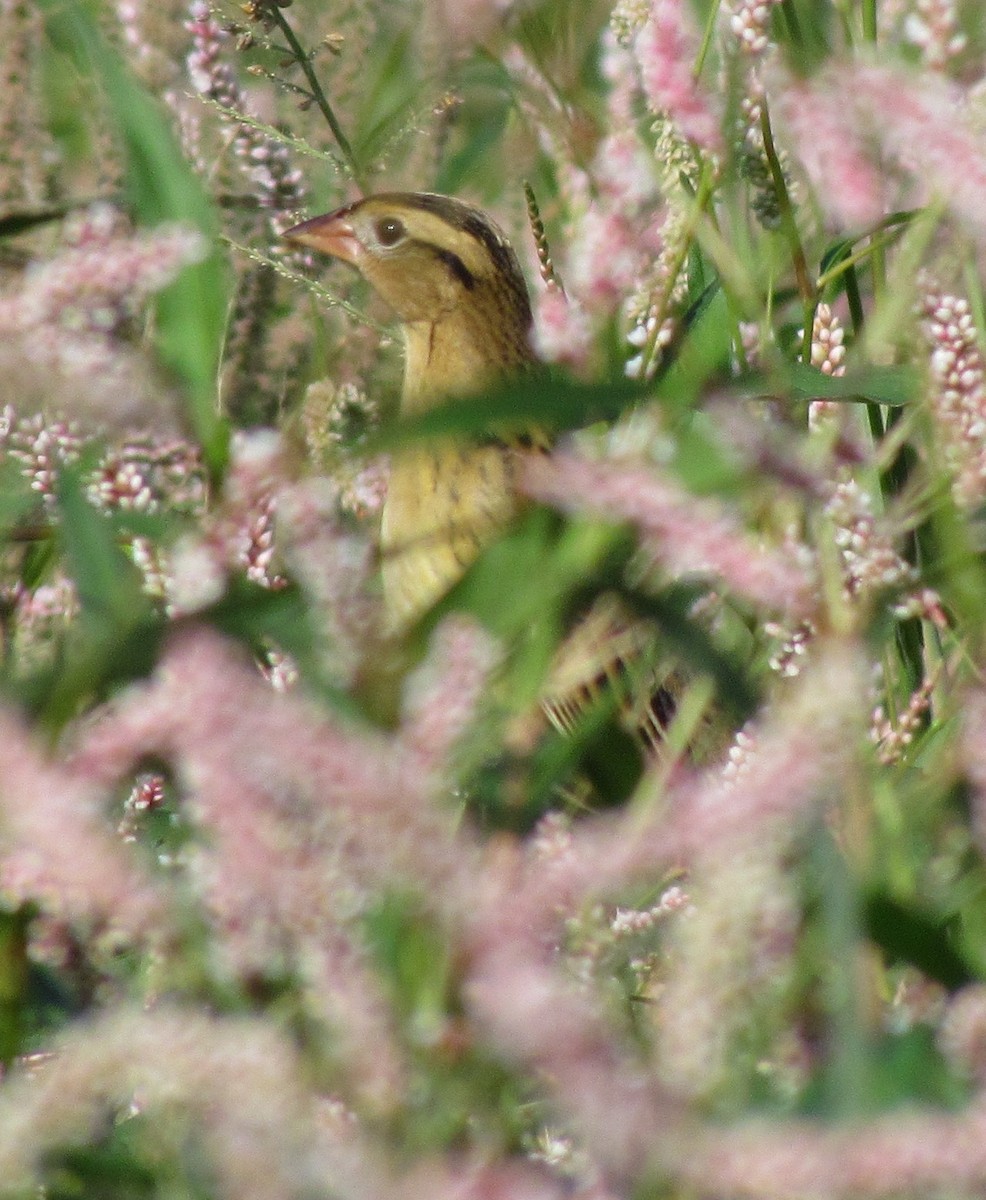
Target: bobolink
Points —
{"points": [[451, 277], [453, 280]]}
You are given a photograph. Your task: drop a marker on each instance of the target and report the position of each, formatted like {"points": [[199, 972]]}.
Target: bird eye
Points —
{"points": [[389, 231]]}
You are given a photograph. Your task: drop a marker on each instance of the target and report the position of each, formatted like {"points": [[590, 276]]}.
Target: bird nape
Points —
{"points": [[455, 284]]}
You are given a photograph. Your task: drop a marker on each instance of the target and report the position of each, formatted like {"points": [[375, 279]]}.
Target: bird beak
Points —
{"points": [[331, 234]]}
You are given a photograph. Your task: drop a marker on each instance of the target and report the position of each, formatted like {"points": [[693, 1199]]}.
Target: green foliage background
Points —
{"points": [[890, 892]]}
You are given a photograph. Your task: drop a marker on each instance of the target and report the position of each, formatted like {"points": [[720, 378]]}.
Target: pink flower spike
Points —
{"points": [[666, 49], [56, 847], [822, 135], [686, 536], [921, 121]]}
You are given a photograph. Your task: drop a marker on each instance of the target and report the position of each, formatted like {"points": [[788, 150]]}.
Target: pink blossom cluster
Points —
{"points": [[305, 814], [828, 353], [41, 447], [892, 738], [238, 534], [149, 474], [99, 281], [297, 841], [615, 237], [749, 23], [277, 185], [925, 126], [444, 695], [956, 391], [563, 330], [62, 327], [684, 535], [666, 48], [840, 123], [333, 564], [820, 133], [934, 27], [973, 751], [84, 875], [616, 227], [869, 560], [238, 1080]]}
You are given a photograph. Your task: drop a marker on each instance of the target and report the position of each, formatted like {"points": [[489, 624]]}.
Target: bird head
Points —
{"points": [[427, 255], [448, 273]]}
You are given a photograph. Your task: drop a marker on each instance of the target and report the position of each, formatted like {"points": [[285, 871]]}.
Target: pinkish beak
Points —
{"points": [[331, 234]]}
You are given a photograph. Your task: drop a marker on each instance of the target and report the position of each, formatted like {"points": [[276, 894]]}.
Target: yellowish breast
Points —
{"points": [[444, 504]]}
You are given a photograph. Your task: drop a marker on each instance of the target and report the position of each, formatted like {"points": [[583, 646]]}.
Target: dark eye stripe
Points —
{"points": [[460, 216], [455, 265]]}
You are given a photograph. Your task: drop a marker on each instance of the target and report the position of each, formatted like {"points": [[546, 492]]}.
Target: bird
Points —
{"points": [[457, 288]]}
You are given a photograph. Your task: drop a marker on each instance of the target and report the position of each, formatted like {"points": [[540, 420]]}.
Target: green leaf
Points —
{"points": [[539, 399], [412, 957], [13, 223], [17, 499], [529, 585], [109, 586], [117, 634], [161, 186], [14, 972], [909, 1068], [893, 386], [702, 463], [905, 934], [671, 611], [806, 24], [265, 618], [96, 655], [952, 565], [700, 353], [901, 1070]]}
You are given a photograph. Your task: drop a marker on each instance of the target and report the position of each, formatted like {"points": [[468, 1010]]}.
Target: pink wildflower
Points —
{"points": [[963, 1032], [60, 330], [974, 757], [892, 738], [666, 49], [957, 392], [823, 136], [933, 26], [685, 535], [444, 694], [266, 163], [562, 330], [333, 565], [237, 1080], [920, 121], [749, 23], [605, 261], [57, 848]]}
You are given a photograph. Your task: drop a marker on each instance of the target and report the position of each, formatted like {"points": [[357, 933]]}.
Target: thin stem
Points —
{"points": [[859, 255], [547, 267], [318, 95], [786, 210], [793, 24], [868, 12], [707, 34], [677, 262], [790, 227]]}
